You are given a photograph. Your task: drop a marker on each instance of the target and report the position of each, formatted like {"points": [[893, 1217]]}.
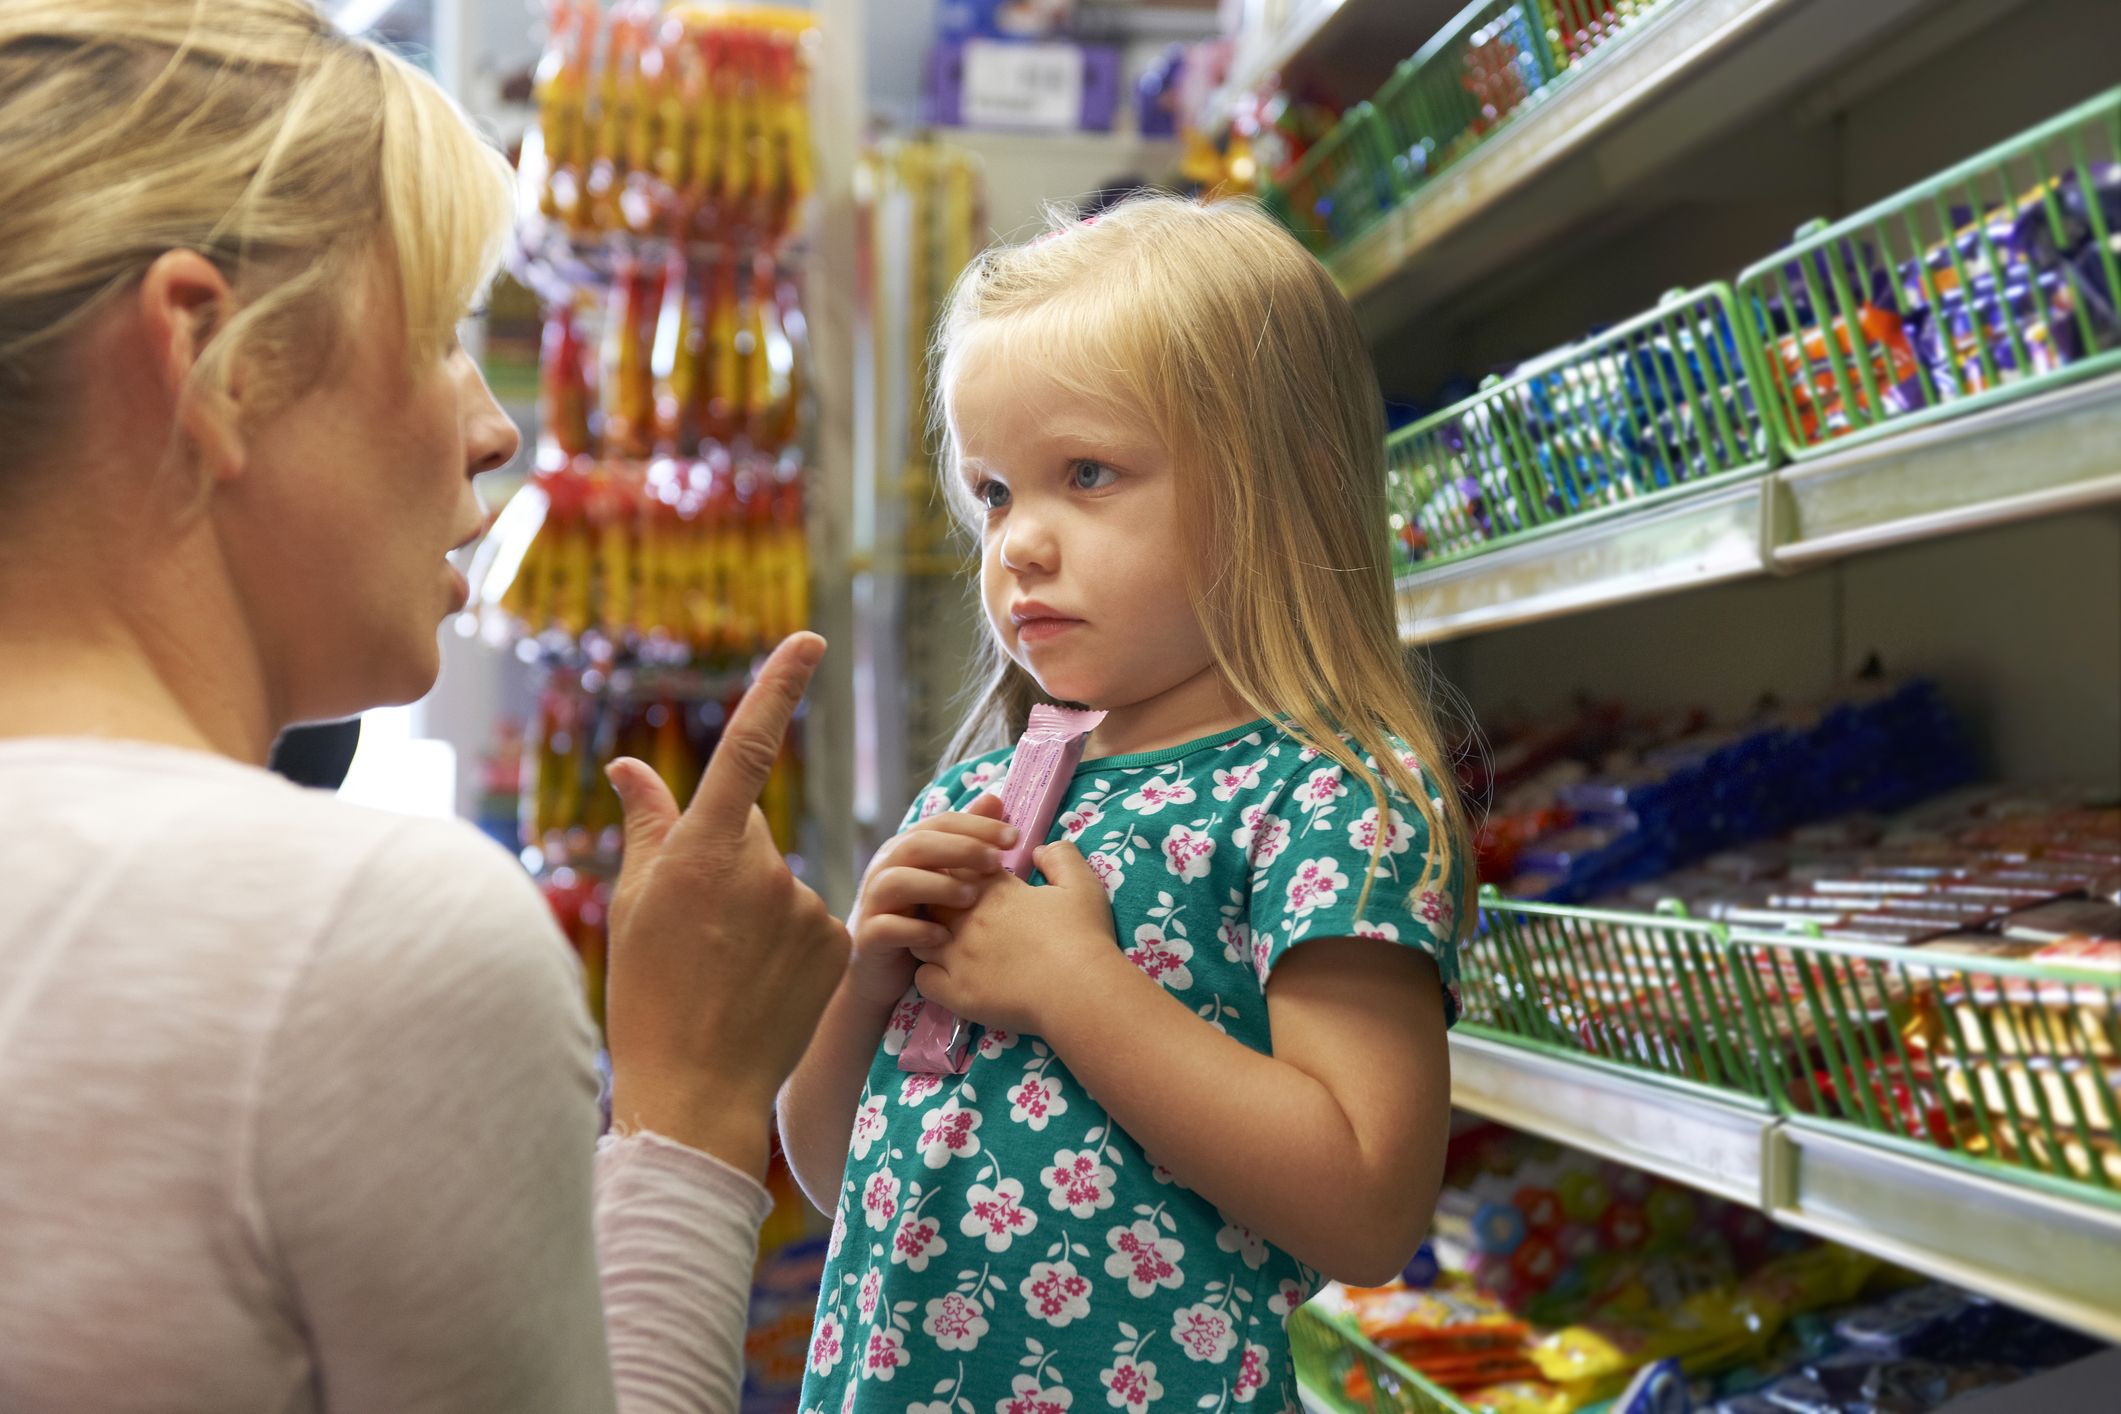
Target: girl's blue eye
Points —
{"points": [[1091, 476], [991, 494]]}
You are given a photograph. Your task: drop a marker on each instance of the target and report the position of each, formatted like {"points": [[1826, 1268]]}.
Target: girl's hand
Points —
{"points": [[1020, 949], [937, 865]]}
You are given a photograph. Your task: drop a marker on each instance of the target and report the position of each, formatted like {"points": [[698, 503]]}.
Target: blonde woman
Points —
{"points": [[1214, 1064], [300, 1111]]}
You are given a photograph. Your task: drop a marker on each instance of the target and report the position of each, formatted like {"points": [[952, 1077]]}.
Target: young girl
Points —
{"points": [[1213, 1064]]}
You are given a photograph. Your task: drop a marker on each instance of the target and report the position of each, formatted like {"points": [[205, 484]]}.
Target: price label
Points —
{"points": [[1022, 85]]}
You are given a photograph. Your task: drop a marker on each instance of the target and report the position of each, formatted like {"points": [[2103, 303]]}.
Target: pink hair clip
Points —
{"points": [[1043, 237]]}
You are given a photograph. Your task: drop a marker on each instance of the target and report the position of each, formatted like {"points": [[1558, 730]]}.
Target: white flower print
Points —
{"points": [[1204, 1333], [1106, 867], [1236, 937], [882, 1355], [900, 1027], [1187, 852], [1027, 1398], [1036, 1102], [1309, 754], [1244, 1242], [999, 1213], [934, 803], [1251, 1374], [872, 1288], [1229, 783], [1324, 787], [839, 1231], [880, 1199], [868, 1127], [1365, 834], [1317, 884], [993, 1043], [1437, 910], [1262, 954], [1154, 795], [1290, 1296], [948, 1133], [956, 1323], [988, 774], [1130, 1385], [847, 1400], [827, 1343], [1162, 958], [1055, 1293], [1384, 932], [1078, 1184], [1145, 1258], [914, 1090], [1075, 821], [919, 1241], [1262, 836]]}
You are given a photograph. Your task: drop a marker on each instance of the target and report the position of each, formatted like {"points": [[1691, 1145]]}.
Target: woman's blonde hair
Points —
{"points": [[251, 131], [1214, 325]]}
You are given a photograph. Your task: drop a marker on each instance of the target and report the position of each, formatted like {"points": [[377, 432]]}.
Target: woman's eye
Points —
{"points": [[1092, 476], [991, 494]]}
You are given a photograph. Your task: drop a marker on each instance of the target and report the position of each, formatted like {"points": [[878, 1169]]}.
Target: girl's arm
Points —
{"points": [[1332, 1148], [817, 1104]]}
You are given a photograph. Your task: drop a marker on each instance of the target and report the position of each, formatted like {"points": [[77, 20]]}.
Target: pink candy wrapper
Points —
{"points": [[1039, 770]]}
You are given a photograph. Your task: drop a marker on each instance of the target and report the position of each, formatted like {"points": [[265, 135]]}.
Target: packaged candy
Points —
{"points": [[1039, 770], [2093, 920]]}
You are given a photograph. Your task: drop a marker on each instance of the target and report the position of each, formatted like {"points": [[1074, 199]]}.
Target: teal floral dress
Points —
{"points": [[1000, 1246]]}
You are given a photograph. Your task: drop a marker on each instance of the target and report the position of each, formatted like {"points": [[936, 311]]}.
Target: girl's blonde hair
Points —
{"points": [[1214, 325], [253, 132]]}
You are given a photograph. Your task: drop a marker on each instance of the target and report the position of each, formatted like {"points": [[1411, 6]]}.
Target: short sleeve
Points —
{"points": [[1311, 850], [955, 787]]}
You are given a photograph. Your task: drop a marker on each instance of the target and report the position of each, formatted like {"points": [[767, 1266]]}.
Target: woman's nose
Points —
{"points": [[491, 438]]}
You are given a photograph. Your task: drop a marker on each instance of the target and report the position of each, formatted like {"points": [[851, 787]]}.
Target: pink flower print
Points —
{"points": [[915, 1089], [1162, 958], [1322, 788], [1309, 754], [1187, 852], [847, 1399], [1055, 1293], [934, 803], [868, 1127], [918, 1240], [1205, 1334], [1251, 1373], [1131, 1385], [1078, 1184], [1287, 1298], [1229, 783], [1027, 1398], [986, 775], [956, 1323], [1262, 955], [1437, 910], [884, 1353], [839, 1231], [1393, 837], [872, 1288], [1145, 1258], [1236, 938], [993, 1043], [948, 1133], [1075, 821], [880, 1199], [1317, 884], [826, 1342], [1161, 1174], [901, 1024], [1384, 932], [1106, 867], [1154, 795], [1412, 762], [1036, 1102], [1261, 834], [998, 1213], [1243, 1242]]}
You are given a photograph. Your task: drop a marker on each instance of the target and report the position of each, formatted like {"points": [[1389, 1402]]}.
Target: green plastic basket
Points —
{"points": [[1327, 1350], [1992, 281], [1663, 404], [1654, 994], [1478, 70], [1341, 187], [1999, 1064], [1574, 30]]}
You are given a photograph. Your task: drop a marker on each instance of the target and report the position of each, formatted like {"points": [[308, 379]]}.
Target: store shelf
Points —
{"points": [[1688, 71], [1331, 46], [2045, 455], [2031, 1245]]}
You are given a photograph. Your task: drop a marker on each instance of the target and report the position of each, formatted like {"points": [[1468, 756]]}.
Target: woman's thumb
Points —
{"points": [[650, 809]]}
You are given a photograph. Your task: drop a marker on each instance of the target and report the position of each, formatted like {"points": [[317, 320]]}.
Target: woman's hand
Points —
{"points": [[1019, 949], [721, 960], [937, 865]]}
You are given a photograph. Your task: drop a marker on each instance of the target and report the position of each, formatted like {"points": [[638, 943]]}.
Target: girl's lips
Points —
{"points": [[1039, 630]]}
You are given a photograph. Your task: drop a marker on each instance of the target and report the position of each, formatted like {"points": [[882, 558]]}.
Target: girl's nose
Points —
{"points": [[1028, 544]]}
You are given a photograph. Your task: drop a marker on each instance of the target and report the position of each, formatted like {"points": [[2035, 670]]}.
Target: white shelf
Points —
{"points": [[1321, 42], [2045, 455], [2048, 1253]]}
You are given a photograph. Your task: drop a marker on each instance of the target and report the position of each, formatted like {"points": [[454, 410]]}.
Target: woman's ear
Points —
{"points": [[184, 304]]}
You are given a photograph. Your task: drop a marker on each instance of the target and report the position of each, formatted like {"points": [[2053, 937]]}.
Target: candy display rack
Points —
{"points": [[1329, 1348]]}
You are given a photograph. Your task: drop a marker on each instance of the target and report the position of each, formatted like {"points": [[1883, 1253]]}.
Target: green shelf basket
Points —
{"points": [[1327, 1349], [1341, 188], [1575, 30], [2005, 1066], [1991, 281], [1667, 403], [1654, 994], [1477, 71]]}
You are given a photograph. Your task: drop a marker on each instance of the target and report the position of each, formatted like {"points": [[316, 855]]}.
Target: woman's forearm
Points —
{"points": [[817, 1104]]}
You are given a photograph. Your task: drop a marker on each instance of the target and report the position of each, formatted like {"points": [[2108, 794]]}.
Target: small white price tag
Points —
{"points": [[1022, 85]]}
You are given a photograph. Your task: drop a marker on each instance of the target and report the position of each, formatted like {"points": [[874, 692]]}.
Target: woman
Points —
{"points": [[299, 1100]]}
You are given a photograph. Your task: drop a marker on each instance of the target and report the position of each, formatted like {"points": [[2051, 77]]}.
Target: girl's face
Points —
{"points": [[1081, 567]]}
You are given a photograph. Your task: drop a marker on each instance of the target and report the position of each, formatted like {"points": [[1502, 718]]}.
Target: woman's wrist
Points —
{"points": [[724, 1121]]}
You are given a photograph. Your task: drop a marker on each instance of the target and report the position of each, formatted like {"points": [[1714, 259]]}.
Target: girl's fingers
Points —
{"points": [[943, 849], [896, 930], [999, 833], [902, 890]]}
